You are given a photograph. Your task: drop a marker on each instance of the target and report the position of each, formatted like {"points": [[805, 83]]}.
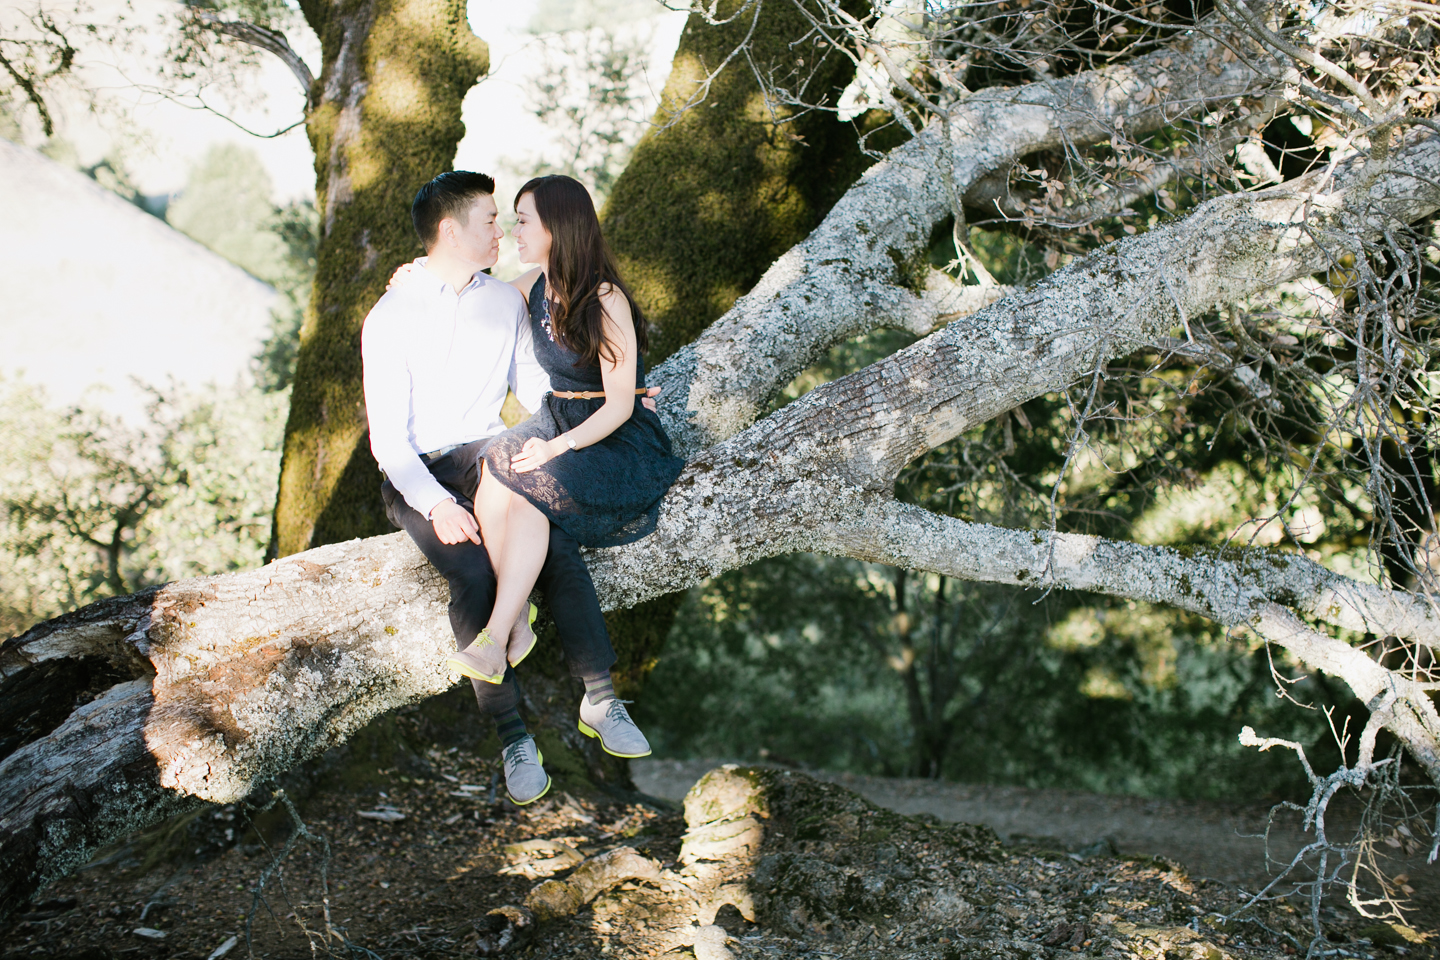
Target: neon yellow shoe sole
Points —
{"points": [[589, 731], [549, 782], [460, 662], [533, 639], [463, 668]]}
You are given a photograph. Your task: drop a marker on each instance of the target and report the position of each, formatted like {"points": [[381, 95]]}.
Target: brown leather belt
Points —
{"points": [[589, 394]]}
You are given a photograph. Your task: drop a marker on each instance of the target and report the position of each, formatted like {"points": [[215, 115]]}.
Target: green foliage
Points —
{"points": [[226, 206], [1073, 691], [763, 657], [296, 224], [38, 51], [95, 507], [111, 172], [264, 13]]}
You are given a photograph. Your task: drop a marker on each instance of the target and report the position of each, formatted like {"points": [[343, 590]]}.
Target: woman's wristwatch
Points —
{"points": [[569, 441]]}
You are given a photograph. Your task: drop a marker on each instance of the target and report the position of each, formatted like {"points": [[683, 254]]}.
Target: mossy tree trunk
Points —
{"points": [[715, 193], [710, 200], [386, 119]]}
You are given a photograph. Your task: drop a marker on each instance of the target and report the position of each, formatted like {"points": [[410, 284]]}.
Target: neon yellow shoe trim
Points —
{"points": [[533, 639], [454, 662], [540, 757], [589, 731]]}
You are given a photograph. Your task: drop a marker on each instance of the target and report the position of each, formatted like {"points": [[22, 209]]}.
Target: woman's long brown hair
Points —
{"points": [[580, 262]]}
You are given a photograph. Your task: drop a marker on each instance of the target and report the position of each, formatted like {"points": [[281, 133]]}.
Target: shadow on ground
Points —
{"points": [[1218, 841]]}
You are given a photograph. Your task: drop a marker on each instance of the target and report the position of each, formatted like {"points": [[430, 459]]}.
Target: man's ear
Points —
{"points": [[445, 233]]}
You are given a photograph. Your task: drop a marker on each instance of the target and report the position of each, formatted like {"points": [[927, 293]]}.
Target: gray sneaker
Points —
{"points": [[610, 722], [525, 779]]}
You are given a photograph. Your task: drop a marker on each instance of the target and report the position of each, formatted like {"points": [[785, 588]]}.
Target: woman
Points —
{"points": [[592, 459]]}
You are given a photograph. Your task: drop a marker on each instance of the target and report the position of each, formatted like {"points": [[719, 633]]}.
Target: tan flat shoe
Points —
{"points": [[521, 644], [473, 663]]}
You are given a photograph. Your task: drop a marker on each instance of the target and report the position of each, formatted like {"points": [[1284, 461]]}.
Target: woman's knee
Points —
{"points": [[493, 497], [523, 511]]}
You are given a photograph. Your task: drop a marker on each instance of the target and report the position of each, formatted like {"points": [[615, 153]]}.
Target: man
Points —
{"points": [[440, 351]]}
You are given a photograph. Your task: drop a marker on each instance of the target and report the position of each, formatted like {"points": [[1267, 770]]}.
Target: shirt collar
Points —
{"points": [[434, 283]]}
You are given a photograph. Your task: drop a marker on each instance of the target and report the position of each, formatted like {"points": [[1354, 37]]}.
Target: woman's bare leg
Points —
{"points": [[527, 540], [492, 509], [517, 537]]}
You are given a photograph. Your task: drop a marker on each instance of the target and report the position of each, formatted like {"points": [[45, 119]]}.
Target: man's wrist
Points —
{"points": [[431, 515]]}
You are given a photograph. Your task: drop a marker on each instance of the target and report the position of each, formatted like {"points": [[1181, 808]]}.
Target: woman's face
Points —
{"points": [[530, 234]]}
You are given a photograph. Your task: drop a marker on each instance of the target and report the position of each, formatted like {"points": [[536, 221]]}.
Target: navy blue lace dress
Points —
{"points": [[607, 493]]}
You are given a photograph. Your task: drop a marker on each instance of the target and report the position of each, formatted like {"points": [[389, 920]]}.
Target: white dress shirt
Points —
{"points": [[437, 365]]}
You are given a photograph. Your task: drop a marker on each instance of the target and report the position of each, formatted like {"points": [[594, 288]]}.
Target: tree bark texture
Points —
{"points": [[386, 120], [252, 672], [865, 266], [723, 183]]}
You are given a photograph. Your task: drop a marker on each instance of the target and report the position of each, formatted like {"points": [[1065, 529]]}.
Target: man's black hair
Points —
{"points": [[448, 195]]}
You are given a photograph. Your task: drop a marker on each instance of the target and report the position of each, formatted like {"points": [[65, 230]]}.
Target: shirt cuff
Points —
{"points": [[415, 483]]}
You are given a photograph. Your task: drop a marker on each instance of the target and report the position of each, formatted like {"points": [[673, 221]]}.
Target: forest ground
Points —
{"points": [[1213, 839], [418, 857], [416, 862]]}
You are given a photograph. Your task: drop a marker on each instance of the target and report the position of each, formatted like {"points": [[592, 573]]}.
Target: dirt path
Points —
{"points": [[1215, 840]]}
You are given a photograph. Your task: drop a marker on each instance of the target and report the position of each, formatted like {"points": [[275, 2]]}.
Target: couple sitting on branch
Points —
{"points": [[498, 511]]}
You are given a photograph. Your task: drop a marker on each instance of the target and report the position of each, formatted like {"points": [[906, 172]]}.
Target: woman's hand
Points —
{"points": [[403, 274], [535, 453]]}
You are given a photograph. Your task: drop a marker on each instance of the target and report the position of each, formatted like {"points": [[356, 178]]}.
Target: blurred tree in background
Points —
{"points": [[589, 89], [91, 506], [227, 206]]}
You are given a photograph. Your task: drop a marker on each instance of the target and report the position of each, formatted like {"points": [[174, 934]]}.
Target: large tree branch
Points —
{"points": [[266, 39], [1402, 704], [992, 193], [857, 270], [1229, 586]]}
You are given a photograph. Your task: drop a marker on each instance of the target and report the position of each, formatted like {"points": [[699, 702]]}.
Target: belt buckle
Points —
{"points": [[434, 455]]}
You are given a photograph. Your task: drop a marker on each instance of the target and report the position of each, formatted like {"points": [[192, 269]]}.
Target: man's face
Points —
{"points": [[477, 239]]}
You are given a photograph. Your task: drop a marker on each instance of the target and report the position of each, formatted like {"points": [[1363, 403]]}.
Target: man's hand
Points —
{"points": [[648, 401], [454, 523]]}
